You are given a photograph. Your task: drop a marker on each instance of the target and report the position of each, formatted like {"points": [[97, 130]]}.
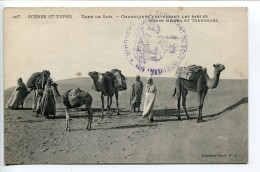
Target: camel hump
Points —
{"points": [[109, 75], [74, 97], [75, 91]]}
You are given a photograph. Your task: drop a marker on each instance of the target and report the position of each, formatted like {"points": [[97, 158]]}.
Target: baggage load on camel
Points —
{"points": [[31, 81], [191, 72], [120, 80]]}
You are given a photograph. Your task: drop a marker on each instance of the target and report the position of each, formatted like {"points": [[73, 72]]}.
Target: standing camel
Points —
{"points": [[73, 98], [200, 86], [106, 86]]}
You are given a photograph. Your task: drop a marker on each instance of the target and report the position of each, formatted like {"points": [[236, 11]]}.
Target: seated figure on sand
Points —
{"points": [[18, 96]]}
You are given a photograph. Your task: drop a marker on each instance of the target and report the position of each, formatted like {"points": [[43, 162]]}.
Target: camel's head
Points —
{"points": [[54, 88], [58, 98], [54, 84], [93, 75], [219, 67]]}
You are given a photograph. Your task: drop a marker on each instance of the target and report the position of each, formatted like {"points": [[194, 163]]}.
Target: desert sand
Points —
{"points": [[128, 138]]}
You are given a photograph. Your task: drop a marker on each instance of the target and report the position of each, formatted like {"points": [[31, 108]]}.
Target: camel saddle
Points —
{"points": [[191, 72]]}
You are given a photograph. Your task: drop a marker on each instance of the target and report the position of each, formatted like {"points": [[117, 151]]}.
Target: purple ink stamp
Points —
{"points": [[155, 46]]}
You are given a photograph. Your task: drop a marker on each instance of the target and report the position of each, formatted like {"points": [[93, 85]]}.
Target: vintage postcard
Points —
{"points": [[125, 85]]}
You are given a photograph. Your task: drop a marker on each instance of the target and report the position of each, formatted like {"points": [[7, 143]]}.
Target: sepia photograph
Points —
{"points": [[103, 85]]}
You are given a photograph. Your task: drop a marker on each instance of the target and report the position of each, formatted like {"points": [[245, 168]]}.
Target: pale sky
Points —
{"points": [[66, 47]]}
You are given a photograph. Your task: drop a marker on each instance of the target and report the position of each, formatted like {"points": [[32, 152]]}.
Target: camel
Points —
{"points": [[106, 86], [200, 86], [73, 98], [36, 82]]}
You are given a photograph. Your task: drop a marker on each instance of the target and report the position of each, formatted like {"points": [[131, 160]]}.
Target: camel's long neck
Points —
{"points": [[57, 96], [95, 80], [213, 83]]}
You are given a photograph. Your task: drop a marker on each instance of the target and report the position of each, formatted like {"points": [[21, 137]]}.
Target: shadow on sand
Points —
{"points": [[221, 113], [122, 127], [16, 109], [174, 112], [158, 113]]}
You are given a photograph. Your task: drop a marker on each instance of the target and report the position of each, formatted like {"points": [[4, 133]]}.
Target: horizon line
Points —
{"points": [[126, 77]]}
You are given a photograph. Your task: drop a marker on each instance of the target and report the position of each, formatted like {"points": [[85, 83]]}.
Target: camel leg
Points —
{"points": [[67, 119], [89, 118], [116, 95], [102, 107], [202, 102], [108, 107], [201, 96], [110, 102], [179, 106], [199, 108], [34, 101], [184, 94]]}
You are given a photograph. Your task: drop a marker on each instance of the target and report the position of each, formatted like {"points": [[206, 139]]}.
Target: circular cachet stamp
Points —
{"points": [[155, 46]]}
